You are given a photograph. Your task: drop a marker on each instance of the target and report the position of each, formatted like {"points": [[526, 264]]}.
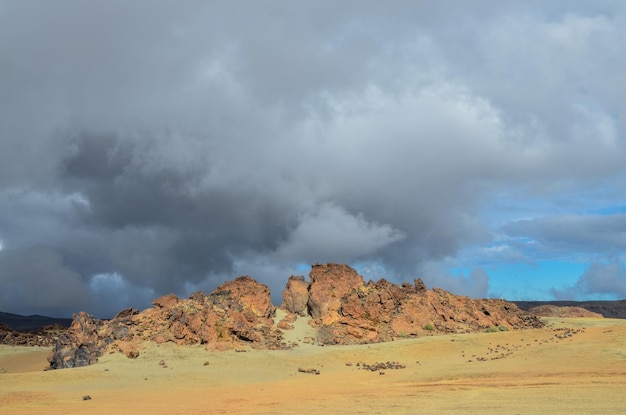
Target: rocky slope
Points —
{"points": [[340, 305]]}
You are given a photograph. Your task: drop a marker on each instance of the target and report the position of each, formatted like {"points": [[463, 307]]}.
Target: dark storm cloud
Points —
{"points": [[163, 225], [153, 146], [35, 280]]}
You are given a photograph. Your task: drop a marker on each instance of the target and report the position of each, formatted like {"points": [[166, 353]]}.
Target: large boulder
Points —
{"points": [[80, 345], [329, 284], [296, 296]]}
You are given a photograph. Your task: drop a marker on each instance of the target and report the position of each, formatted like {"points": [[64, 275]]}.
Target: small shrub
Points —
{"points": [[492, 329], [429, 327]]}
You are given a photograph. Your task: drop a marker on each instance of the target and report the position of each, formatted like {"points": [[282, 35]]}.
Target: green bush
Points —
{"points": [[492, 329], [429, 327]]}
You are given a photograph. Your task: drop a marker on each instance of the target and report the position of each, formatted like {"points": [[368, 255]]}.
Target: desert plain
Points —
{"points": [[571, 366]]}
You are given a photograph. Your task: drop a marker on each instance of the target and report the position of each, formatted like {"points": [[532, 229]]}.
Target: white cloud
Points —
{"points": [[331, 233]]}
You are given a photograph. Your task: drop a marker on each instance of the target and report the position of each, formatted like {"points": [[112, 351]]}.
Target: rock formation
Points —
{"points": [[349, 311], [237, 313], [341, 306]]}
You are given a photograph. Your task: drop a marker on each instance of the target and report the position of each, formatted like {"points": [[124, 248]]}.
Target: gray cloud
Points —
{"points": [[475, 283], [155, 147], [562, 234], [604, 279]]}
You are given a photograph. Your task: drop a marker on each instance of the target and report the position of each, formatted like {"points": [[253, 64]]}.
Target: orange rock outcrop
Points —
{"points": [[349, 311], [343, 308]]}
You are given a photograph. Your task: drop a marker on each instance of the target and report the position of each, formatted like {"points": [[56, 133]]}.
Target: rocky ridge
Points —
{"points": [[341, 307]]}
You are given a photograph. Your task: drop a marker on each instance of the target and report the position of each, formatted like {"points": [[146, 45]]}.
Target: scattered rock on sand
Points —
{"points": [[309, 371]]}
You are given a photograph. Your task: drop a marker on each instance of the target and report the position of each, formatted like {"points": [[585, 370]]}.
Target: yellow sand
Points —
{"points": [[541, 374]]}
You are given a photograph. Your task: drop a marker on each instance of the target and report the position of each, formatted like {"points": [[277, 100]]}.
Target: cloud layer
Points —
{"points": [[150, 147]]}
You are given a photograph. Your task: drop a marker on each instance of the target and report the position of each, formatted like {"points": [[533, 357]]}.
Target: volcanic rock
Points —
{"points": [[80, 345]]}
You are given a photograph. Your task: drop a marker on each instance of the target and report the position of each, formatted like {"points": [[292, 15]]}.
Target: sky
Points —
{"points": [[152, 146]]}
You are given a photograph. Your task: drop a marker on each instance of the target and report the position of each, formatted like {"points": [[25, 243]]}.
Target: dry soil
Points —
{"points": [[573, 366]]}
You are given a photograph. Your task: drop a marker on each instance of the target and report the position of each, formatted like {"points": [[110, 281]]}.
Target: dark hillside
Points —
{"points": [[608, 309], [29, 323]]}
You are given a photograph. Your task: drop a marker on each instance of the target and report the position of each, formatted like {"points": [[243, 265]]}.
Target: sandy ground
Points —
{"points": [[516, 372]]}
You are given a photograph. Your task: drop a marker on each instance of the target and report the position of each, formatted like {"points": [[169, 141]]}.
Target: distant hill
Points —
{"points": [[608, 309], [34, 322]]}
